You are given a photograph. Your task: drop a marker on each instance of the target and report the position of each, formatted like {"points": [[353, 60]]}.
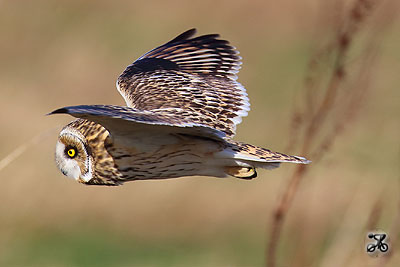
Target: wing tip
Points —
{"points": [[58, 111], [184, 36], [303, 160]]}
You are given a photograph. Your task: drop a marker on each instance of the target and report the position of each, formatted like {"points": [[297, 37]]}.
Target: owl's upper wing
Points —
{"points": [[196, 75], [121, 121]]}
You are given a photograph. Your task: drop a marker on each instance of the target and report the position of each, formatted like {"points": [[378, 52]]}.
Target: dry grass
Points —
{"points": [[327, 108], [58, 53]]}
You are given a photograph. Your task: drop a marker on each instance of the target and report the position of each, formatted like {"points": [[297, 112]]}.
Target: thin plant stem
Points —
{"points": [[312, 127]]}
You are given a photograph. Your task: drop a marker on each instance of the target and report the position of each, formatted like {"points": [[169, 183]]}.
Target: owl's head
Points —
{"points": [[73, 155]]}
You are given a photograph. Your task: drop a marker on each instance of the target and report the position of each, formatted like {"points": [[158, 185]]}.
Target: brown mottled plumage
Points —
{"points": [[183, 105]]}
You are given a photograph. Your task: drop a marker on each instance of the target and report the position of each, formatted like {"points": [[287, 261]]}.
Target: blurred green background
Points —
{"points": [[60, 53]]}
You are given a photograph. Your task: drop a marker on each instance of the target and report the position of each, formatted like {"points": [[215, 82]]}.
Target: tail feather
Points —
{"points": [[258, 154], [241, 160]]}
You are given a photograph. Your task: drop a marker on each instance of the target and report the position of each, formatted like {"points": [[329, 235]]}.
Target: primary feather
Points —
{"points": [[197, 75]]}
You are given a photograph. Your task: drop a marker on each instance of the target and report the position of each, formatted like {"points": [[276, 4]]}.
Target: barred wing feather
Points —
{"points": [[196, 75], [125, 120]]}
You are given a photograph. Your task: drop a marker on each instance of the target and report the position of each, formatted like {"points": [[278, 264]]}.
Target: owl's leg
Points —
{"points": [[247, 173]]}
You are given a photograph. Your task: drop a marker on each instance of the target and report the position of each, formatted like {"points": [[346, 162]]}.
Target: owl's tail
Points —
{"points": [[241, 160]]}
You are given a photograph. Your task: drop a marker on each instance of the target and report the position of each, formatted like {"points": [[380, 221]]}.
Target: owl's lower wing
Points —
{"points": [[122, 121]]}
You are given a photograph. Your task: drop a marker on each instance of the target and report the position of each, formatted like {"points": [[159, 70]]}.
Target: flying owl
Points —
{"points": [[183, 105]]}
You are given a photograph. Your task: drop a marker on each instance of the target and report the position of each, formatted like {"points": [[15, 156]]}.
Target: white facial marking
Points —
{"points": [[88, 176], [70, 167]]}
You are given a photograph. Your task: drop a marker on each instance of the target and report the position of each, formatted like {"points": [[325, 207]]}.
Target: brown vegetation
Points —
{"points": [[334, 91], [58, 53]]}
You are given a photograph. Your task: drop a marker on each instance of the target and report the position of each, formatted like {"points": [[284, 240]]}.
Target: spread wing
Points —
{"points": [[195, 75], [121, 121]]}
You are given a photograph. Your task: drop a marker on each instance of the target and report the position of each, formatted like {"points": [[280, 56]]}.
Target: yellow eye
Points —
{"points": [[71, 152]]}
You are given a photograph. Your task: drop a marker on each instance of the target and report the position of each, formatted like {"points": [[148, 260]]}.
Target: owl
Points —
{"points": [[182, 107]]}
